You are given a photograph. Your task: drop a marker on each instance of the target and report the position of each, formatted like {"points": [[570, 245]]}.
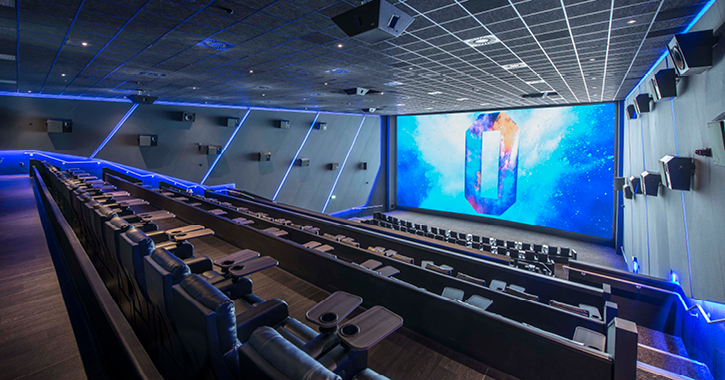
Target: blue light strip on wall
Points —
{"points": [[295, 157], [113, 132], [687, 29], [224, 149], [17, 46], [342, 167]]}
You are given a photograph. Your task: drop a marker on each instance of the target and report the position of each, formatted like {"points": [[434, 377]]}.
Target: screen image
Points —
{"points": [[550, 167]]}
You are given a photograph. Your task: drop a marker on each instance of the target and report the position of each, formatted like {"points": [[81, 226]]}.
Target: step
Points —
{"points": [[673, 363], [661, 341], [648, 372]]}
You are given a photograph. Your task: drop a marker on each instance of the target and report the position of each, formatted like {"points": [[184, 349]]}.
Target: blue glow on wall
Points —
{"points": [[565, 166], [113, 132], [342, 167], [294, 159], [224, 149]]}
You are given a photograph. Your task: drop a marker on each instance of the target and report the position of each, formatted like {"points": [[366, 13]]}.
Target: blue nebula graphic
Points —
{"points": [[565, 168]]}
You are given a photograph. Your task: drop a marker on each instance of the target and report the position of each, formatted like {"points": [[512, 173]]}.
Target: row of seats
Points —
{"points": [[219, 322], [585, 310], [539, 258]]}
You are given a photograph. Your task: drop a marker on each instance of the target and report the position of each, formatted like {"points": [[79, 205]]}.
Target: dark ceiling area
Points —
{"points": [[289, 53]]}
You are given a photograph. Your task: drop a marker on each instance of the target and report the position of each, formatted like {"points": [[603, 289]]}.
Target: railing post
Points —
{"points": [[611, 310], [622, 345]]}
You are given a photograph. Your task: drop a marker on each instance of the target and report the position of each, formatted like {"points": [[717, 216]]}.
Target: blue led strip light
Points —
{"points": [[17, 46], [343, 164], [687, 29], [224, 149], [113, 132], [295, 157]]}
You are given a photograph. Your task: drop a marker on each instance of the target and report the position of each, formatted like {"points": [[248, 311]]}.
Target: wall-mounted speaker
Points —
{"points": [[322, 126], [188, 117], [303, 162], [677, 172], [628, 193], [664, 84], [363, 166], [211, 150], [264, 156], [333, 166], [283, 124], [642, 103], [691, 53], [619, 183], [232, 121], [142, 99], [635, 184], [148, 140], [373, 21], [631, 112], [716, 131], [650, 183], [59, 125]]}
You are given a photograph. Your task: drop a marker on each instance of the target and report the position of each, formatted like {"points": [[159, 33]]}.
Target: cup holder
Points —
{"points": [[349, 330], [237, 267], [328, 317], [227, 262]]}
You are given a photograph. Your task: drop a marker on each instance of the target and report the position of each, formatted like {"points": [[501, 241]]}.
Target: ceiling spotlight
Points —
{"points": [[251, 71], [512, 66], [62, 75], [382, 93], [193, 88], [84, 43], [400, 105], [592, 59], [262, 94], [631, 22], [435, 93], [325, 83], [482, 41], [29, 91], [461, 99], [428, 108], [339, 45]]}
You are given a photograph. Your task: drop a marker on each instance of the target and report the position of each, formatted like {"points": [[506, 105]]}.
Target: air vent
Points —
{"points": [[540, 95], [513, 66], [215, 44], [7, 57], [482, 41]]}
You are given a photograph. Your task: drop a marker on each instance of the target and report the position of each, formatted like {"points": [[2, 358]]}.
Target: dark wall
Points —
{"points": [[177, 154], [663, 231]]}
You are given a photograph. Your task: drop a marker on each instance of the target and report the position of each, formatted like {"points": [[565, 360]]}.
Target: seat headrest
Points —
{"points": [[119, 223], [106, 211], [137, 236], [210, 297], [286, 357], [171, 263], [93, 204]]}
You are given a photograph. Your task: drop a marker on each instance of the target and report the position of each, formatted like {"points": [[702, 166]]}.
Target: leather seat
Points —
{"points": [[274, 357]]}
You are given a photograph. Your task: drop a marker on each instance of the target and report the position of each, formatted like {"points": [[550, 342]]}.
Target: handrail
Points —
{"points": [[687, 308]]}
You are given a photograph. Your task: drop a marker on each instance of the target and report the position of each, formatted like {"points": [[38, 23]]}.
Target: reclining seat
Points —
{"points": [[208, 326], [112, 230]]}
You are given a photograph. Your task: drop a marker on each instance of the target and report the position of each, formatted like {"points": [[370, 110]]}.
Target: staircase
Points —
{"points": [[661, 356]]}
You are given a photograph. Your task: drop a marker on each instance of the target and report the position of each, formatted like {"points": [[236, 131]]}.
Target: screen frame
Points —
{"points": [[393, 179]]}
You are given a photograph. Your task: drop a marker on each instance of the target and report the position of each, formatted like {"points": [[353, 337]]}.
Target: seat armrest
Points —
{"points": [[158, 236], [199, 264], [268, 313], [131, 218]]}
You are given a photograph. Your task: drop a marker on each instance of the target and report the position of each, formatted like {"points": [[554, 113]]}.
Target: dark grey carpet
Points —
{"points": [[588, 252]]}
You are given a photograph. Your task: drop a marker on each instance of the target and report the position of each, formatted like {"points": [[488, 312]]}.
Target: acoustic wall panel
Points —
{"points": [[22, 126], [177, 153]]}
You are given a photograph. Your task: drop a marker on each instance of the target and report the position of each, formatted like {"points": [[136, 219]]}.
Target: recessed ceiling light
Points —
{"points": [[631, 21], [382, 93], [512, 66], [434, 93], [62, 75], [29, 91], [428, 108], [592, 59], [461, 99], [325, 83], [193, 88], [262, 94], [339, 45], [400, 105], [393, 83], [84, 43], [410, 68], [251, 71], [535, 82], [482, 41]]}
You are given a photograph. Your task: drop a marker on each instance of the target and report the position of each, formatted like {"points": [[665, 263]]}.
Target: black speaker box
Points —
{"points": [[631, 112], [373, 21], [641, 103], [303, 161], [636, 185], [677, 172], [142, 99], [264, 156], [619, 183], [664, 84], [650, 183], [691, 53], [188, 117], [628, 194]]}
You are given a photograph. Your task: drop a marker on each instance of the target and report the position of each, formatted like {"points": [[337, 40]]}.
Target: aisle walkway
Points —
{"points": [[36, 336]]}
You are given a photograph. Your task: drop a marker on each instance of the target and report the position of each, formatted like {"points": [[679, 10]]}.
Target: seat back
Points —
{"points": [[133, 246], [277, 358], [112, 230], [206, 324], [163, 270]]}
